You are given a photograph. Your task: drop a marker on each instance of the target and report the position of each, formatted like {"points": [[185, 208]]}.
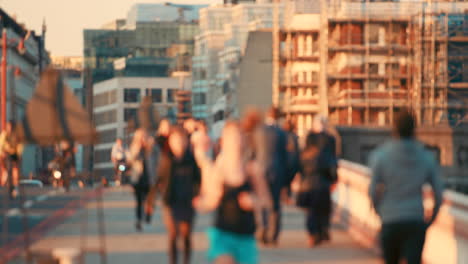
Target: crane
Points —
{"points": [[181, 9]]}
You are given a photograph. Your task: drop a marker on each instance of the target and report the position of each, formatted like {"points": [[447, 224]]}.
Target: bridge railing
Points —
{"points": [[446, 240]]}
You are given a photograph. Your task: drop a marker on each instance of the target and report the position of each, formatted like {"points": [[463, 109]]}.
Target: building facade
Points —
{"points": [[366, 61], [116, 101], [26, 57], [224, 30], [149, 31]]}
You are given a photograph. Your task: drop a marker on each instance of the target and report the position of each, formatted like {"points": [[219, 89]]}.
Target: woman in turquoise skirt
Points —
{"points": [[234, 188]]}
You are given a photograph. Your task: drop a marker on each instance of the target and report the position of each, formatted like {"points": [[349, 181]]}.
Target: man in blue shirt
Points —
{"points": [[400, 169]]}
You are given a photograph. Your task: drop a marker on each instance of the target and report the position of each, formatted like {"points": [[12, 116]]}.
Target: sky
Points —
{"points": [[66, 19]]}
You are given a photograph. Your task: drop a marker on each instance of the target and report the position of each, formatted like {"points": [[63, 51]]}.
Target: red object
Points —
{"points": [[3, 94], [21, 47], [17, 71]]}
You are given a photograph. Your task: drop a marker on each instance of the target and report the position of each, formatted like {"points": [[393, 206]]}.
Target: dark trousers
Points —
{"points": [[317, 223], [271, 226], [319, 213], [141, 192], [403, 240]]}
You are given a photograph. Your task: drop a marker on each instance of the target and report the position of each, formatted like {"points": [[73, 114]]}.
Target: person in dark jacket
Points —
{"points": [[271, 153], [179, 182], [326, 167], [314, 192], [293, 155]]}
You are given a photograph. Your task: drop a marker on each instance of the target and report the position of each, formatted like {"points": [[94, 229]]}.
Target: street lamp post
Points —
{"points": [[4, 79]]}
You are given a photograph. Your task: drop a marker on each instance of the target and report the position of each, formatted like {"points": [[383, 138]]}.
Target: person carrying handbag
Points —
{"points": [[142, 159]]}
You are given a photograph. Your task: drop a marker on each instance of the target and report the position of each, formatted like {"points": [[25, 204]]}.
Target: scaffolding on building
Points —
{"points": [[377, 58]]}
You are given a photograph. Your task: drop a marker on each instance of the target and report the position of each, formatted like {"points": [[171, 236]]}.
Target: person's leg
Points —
{"points": [[139, 206], [311, 226], [414, 242], [185, 229], [3, 172], [274, 220], [327, 214], [225, 259], [171, 227], [390, 242], [15, 172], [278, 218], [145, 210]]}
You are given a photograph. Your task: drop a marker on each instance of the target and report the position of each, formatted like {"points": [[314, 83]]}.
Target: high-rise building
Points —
{"points": [[149, 31], [219, 47]]}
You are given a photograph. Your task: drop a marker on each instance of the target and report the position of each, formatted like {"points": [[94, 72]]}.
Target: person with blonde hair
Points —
{"points": [[142, 157], [234, 187]]}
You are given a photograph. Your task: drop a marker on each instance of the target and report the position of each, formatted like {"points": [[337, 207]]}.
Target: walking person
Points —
{"points": [[234, 188], [293, 162], [271, 153], [327, 164], [400, 169], [179, 182], [314, 192], [142, 158], [10, 154], [67, 152], [118, 158]]}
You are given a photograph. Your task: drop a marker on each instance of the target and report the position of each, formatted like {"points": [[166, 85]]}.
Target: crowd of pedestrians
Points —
{"points": [[244, 177]]}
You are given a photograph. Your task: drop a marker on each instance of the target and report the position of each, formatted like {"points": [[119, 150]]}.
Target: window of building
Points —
{"points": [[314, 76], [107, 136], [199, 98], [373, 85], [130, 113], [225, 87], [105, 117], [373, 34], [393, 68], [131, 95], [300, 46], [171, 95], [373, 68], [102, 156], [156, 95], [105, 98]]}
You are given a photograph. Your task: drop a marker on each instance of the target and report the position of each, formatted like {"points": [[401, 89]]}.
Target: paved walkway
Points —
{"points": [[125, 245]]}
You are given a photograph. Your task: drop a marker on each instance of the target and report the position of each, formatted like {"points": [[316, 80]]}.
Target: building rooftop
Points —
{"points": [[160, 12]]}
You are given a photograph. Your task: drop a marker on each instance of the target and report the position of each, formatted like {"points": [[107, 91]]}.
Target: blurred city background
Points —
{"points": [[358, 62]]}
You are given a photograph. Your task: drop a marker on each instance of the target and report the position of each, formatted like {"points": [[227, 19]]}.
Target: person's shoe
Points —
{"points": [[138, 226], [313, 241], [148, 218], [326, 236]]}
